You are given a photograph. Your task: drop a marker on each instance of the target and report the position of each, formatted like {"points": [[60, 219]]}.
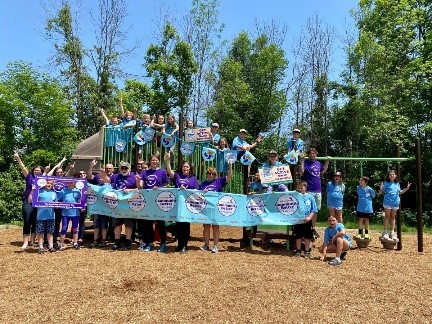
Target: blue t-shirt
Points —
{"points": [[46, 213], [238, 142], [296, 145], [335, 193], [70, 196], [112, 134], [391, 194], [329, 233], [257, 187], [267, 164], [221, 164], [310, 204], [365, 196]]}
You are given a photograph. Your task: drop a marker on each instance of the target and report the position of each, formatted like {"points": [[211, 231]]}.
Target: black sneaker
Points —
{"points": [[127, 247], [94, 244], [52, 250], [115, 247], [343, 255], [76, 246]]}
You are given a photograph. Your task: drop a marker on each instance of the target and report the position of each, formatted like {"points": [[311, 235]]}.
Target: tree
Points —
{"points": [[249, 92], [36, 114], [170, 66], [201, 30]]}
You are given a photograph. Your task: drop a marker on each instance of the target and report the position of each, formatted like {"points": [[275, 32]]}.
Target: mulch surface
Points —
{"points": [[260, 285]]}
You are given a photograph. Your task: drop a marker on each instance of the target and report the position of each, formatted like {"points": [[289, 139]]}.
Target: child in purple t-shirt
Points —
{"points": [[213, 184], [312, 170]]}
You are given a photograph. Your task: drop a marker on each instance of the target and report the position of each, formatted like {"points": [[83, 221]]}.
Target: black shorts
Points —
{"points": [[303, 231], [363, 215], [128, 222]]}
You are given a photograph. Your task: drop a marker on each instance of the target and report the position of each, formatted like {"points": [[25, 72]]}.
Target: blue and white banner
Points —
{"points": [[247, 158], [195, 206], [208, 154], [167, 140], [149, 134], [187, 148]]}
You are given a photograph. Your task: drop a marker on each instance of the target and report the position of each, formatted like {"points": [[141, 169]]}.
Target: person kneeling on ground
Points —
{"points": [[335, 240]]}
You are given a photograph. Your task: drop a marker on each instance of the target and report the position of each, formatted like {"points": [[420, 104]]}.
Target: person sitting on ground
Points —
{"points": [[335, 240]]}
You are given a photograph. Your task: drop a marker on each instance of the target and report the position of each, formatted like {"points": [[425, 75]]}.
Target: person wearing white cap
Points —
{"points": [[214, 135], [240, 144], [295, 143]]}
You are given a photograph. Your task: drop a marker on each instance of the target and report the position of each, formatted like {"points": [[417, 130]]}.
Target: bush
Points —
{"points": [[12, 186]]}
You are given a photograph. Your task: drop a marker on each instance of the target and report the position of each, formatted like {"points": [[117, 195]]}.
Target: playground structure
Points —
{"points": [[95, 147]]}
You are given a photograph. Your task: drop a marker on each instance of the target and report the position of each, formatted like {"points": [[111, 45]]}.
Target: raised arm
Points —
{"points": [[229, 174], [326, 164], [406, 189], [90, 170], [169, 171], [71, 170], [23, 168], [58, 165], [301, 168], [104, 116], [121, 107], [257, 141]]}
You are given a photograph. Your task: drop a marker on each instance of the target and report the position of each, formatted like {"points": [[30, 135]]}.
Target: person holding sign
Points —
{"points": [[214, 134], [295, 143], [28, 212], [240, 144], [184, 179], [212, 183], [273, 162]]}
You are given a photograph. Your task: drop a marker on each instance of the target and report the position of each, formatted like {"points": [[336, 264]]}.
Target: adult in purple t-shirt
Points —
{"points": [[312, 170], [124, 181], [184, 179], [152, 178], [28, 212], [213, 184]]}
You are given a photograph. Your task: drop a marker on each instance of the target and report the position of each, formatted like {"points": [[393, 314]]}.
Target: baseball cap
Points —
{"points": [[243, 131], [296, 130], [272, 152], [215, 125], [125, 164]]}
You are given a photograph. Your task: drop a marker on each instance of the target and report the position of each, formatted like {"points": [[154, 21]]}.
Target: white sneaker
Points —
{"points": [[215, 249], [385, 236], [335, 262], [393, 236]]}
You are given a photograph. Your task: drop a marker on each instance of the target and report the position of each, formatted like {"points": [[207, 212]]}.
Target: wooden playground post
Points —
{"points": [[419, 198], [398, 213]]}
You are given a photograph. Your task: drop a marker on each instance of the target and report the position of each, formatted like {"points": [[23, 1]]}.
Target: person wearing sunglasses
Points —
{"points": [[213, 183]]}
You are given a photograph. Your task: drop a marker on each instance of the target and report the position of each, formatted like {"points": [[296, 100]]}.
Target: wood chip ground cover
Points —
{"points": [[259, 285]]}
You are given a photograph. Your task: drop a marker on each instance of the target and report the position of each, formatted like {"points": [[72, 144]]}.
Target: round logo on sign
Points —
{"points": [[166, 201], [287, 204], [41, 182], [226, 205], [111, 199], [137, 202], [91, 196], [79, 185], [256, 206], [196, 203], [59, 186]]}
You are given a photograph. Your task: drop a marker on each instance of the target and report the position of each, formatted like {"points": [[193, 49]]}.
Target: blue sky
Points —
{"points": [[22, 23]]}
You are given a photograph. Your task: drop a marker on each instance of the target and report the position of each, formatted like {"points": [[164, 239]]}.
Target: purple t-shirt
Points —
{"points": [[120, 182], [96, 179], [30, 180], [189, 182], [154, 178], [215, 185], [312, 175]]}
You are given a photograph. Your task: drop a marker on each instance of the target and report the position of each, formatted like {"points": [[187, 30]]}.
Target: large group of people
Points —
{"points": [[48, 223]]}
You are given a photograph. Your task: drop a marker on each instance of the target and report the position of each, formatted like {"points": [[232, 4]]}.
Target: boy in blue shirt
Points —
{"points": [[335, 240], [304, 231], [71, 195]]}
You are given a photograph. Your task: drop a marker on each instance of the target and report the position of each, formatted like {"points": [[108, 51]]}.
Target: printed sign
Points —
{"points": [[201, 135], [275, 175]]}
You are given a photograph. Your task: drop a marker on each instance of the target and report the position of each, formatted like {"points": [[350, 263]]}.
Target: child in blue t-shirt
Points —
{"points": [[392, 191], [335, 192], [304, 231], [45, 216], [365, 194], [221, 164], [335, 240], [70, 195]]}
